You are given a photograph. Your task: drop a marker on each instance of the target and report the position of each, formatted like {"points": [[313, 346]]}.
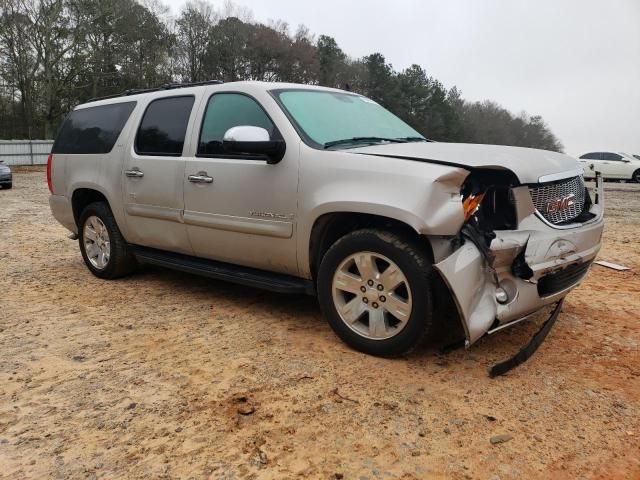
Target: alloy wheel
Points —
{"points": [[372, 295], [97, 245]]}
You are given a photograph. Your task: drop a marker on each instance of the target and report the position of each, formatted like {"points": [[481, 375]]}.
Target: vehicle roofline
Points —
{"points": [[171, 90]]}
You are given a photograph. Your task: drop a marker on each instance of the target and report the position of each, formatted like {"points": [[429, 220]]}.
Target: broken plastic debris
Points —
{"points": [[615, 266]]}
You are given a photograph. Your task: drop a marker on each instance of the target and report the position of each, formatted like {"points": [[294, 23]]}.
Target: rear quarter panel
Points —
{"points": [[101, 172]]}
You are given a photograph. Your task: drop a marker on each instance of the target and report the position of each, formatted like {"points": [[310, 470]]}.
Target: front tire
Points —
{"points": [[104, 250], [636, 176], [374, 288]]}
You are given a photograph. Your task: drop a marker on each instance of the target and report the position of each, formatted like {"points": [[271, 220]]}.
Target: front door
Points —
{"points": [[153, 176], [238, 208]]}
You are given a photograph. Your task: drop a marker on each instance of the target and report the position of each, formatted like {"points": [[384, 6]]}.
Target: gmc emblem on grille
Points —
{"points": [[558, 204]]}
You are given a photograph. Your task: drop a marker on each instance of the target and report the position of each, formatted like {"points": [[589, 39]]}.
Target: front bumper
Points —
{"points": [[558, 259]]}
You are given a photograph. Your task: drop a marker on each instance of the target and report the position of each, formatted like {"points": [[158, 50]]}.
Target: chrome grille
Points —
{"points": [[547, 193]]}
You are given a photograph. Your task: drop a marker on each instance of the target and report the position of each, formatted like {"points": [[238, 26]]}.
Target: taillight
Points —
{"points": [[49, 166]]}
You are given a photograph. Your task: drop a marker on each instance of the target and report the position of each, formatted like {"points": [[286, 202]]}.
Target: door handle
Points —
{"points": [[201, 177], [135, 173]]}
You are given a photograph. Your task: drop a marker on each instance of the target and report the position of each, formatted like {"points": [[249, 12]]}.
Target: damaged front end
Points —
{"points": [[522, 246]]}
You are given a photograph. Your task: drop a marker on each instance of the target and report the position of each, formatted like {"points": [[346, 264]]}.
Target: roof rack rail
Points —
{"points": [[166, 86]]}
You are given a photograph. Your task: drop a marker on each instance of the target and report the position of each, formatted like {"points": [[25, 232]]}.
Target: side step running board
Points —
{"points": [[252, 277]]}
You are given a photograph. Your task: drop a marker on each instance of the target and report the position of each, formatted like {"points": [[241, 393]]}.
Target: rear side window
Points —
{"points": [[227, 110], [614, 157], [591, 156], [93, 129], [164, 126]]}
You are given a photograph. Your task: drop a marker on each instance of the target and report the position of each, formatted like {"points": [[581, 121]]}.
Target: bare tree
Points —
{"points": [[20, 61], [192, 38], [56, 40]]}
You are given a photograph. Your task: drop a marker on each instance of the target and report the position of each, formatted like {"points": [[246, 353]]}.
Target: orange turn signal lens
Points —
{"points": [[470, 205]]}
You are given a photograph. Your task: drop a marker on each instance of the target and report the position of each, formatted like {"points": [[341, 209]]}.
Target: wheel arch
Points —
{"points": [[331, 226], [83, 196]]}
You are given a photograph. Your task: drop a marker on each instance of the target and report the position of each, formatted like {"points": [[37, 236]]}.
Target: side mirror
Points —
{"points": [[253, 141]]}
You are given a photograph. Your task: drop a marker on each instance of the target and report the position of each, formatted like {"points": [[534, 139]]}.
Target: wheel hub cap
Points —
{"points": [[96, 242], [372, 295]]}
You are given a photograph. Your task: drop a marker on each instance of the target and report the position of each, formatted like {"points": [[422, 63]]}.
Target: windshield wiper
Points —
{"points": [[346, 141], [414, 139]]}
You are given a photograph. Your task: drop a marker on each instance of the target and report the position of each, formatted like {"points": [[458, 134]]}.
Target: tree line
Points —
{"points": [[55, 54]]}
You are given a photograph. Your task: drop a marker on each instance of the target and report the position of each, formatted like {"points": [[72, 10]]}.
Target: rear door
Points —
{"points": [[153, 175], [615, 166], [245, 211]]}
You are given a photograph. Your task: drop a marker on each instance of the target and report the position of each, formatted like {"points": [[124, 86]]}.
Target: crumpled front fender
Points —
{"points": [[469, 280]]}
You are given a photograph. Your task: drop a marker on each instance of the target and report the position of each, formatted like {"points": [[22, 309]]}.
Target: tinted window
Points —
{"points": [[93, 129], [227, 110], [614, 157], [591, 156], [164, 126]]}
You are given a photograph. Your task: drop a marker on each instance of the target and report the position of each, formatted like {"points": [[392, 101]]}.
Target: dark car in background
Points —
{"points": [[6, 179]]}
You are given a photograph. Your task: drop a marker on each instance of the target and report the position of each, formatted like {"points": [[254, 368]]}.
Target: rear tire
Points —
{"points": [[359, 297], [104, 250]]}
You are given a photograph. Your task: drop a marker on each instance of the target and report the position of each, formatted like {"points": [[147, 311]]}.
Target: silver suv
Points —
{"points": [[297, 188]]}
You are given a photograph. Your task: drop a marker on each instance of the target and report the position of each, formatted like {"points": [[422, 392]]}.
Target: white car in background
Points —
{"points": [[618, 166]]}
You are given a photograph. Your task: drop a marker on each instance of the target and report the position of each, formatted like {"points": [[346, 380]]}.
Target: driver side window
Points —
{"points": [[227, 110]]}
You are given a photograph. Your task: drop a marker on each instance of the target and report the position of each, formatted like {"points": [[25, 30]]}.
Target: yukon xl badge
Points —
{"points": [[558, 204], [278, 216]]}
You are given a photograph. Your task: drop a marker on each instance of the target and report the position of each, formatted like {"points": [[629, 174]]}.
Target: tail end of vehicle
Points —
{"points": [[49, 168]]}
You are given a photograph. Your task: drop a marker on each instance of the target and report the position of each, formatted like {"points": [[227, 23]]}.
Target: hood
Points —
{"points": [[528, 164]]}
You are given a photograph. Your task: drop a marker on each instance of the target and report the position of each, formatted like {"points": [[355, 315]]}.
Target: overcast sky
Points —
{"points": [[575, 62]]}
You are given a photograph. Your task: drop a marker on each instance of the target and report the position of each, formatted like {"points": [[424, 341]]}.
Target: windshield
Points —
{"points": [[333, 119]]}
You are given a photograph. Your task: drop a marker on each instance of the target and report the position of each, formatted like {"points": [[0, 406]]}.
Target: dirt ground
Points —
{"points": [[167, 375]]}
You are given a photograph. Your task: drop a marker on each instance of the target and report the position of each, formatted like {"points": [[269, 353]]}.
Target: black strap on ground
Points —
{"points": [[529, 349]]}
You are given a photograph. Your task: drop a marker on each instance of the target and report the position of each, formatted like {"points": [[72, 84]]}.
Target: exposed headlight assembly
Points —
{"points": [[470, 204]]}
